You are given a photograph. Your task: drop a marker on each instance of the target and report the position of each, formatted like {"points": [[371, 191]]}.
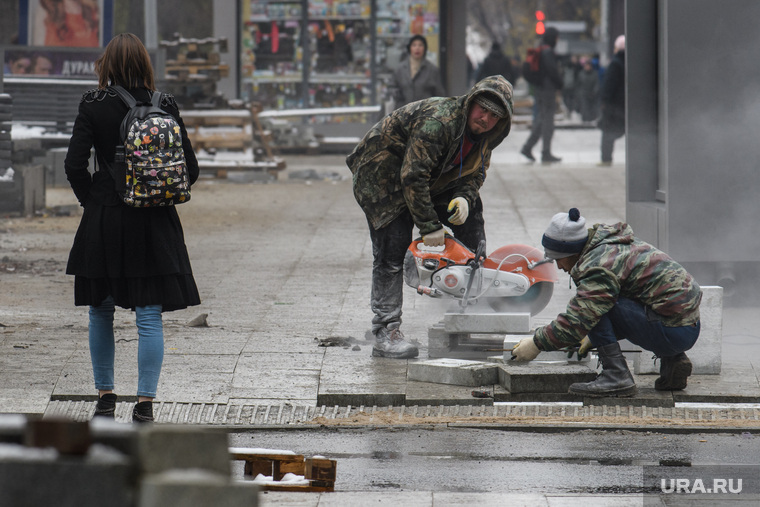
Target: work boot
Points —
{"points": [[527, 154], [615, 380], [674, 370], [391, 343], [143, 412], [548, 158], [106, 406]]}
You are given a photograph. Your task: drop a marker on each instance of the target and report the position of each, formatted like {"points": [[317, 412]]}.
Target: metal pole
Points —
{"points": [[151, 26]]}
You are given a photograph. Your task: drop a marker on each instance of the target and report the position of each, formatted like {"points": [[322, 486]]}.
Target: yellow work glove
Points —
{"points": [[435, 238], [526, 350], [462, 210]]}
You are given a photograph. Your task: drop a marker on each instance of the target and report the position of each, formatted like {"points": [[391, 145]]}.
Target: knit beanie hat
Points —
{"points": [[491, 102], [566, 235]]}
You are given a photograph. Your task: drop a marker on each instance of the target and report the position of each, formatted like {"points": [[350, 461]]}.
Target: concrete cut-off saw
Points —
{"points": [[513, 278]]}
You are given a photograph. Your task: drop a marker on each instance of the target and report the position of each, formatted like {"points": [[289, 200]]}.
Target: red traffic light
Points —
{"points": [[540, 17]]}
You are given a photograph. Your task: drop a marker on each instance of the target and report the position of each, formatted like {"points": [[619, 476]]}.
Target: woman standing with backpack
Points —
{"points": [[132, 257]]}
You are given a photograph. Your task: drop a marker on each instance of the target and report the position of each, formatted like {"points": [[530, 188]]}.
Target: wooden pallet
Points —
{"points": [[320, 472]]}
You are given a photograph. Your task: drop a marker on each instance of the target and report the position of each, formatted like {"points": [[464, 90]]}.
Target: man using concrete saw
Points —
{"points": [[625, 289], [423, 165]]}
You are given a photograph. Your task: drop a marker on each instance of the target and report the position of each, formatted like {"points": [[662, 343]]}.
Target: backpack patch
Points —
{"points": [[532, 70], [151, 162]]}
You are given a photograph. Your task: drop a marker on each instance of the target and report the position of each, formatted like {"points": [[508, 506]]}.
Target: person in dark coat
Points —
{"points": [[587, 91], [496, 64], [612, 122], [124, 256], [416, 77], [546, 101]]}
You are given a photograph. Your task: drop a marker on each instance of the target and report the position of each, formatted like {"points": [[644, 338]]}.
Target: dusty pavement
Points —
{"points": [[280, 266]]}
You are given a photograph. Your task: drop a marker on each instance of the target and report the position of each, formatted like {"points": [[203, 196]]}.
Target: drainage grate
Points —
{"points": [[243, 415]]}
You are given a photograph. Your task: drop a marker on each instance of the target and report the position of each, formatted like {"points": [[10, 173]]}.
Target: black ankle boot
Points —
{"points": [[143, 412], [106, 406], [615, 379], [674, 371]]}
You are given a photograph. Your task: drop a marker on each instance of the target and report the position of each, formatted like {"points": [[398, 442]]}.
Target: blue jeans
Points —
{"points": [[633, 321], [150, 348]]}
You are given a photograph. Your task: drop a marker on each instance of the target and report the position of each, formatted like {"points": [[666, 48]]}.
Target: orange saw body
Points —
{"points": [[513, 278]]}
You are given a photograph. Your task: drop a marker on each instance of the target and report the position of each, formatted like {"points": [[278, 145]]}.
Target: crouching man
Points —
{"points": [[625, 289]]}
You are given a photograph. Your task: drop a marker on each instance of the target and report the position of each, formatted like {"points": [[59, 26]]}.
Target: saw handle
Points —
{"points": [[480, 253]]}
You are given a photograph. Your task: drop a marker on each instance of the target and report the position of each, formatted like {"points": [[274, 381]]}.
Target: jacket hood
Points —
{"points": [[619, 233], [500, 87]]}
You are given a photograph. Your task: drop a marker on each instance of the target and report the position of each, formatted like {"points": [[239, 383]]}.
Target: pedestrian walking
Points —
{"points": [[570, 71], [423, 165], [612, 122], [626, 289], [131, 257], [546, 100]]}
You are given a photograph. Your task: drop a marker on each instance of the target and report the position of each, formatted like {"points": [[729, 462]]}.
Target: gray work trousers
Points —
{"points": [[389, 246], [543, 124]]}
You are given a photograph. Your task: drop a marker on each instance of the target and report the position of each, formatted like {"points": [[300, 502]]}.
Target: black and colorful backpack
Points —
{"points": [[150, 168]]}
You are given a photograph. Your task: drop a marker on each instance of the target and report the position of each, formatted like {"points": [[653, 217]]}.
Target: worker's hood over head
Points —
{"points": [[497, 91]]}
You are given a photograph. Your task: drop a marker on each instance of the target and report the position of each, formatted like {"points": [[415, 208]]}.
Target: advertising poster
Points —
{"points": [[42, 61], [66, 23]]}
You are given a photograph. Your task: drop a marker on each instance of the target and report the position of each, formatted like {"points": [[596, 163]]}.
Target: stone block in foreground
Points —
{"points": [[538, 377], [454, 371]]}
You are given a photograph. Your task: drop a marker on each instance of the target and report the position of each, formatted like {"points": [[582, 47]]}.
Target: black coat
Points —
{"points": [[136, 255], [496, 63], [613, 95]]}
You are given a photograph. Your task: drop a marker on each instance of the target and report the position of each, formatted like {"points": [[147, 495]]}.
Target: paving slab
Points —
{"points": [[489, 499], [499, 323], [428, 393], [354, 378], [278, 383], [645, 396], [204, 341], [282, 342], [543, 377], [501, 395], [454, 371], [735, 384]]}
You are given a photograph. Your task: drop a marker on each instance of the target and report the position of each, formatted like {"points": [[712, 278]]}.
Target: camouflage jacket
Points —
{"points": [[614, 263], [400, 162]]}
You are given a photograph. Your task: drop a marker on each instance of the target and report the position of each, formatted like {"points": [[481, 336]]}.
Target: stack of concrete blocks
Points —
{"points": [[550, 372], [10, 186], [67, 463], [706, 355], [25, 190], [6, 115], [453, 336]]}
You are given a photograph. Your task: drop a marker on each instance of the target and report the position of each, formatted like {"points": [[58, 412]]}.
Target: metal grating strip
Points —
{"points": [[241, 415]]}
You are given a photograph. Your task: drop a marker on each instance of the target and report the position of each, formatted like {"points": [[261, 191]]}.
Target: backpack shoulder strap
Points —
{"points": [[156, 99], [124, 95]]}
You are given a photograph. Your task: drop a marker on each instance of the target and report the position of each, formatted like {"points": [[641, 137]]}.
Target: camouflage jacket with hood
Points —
{"points": [[614, 263], [400, 163]]}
